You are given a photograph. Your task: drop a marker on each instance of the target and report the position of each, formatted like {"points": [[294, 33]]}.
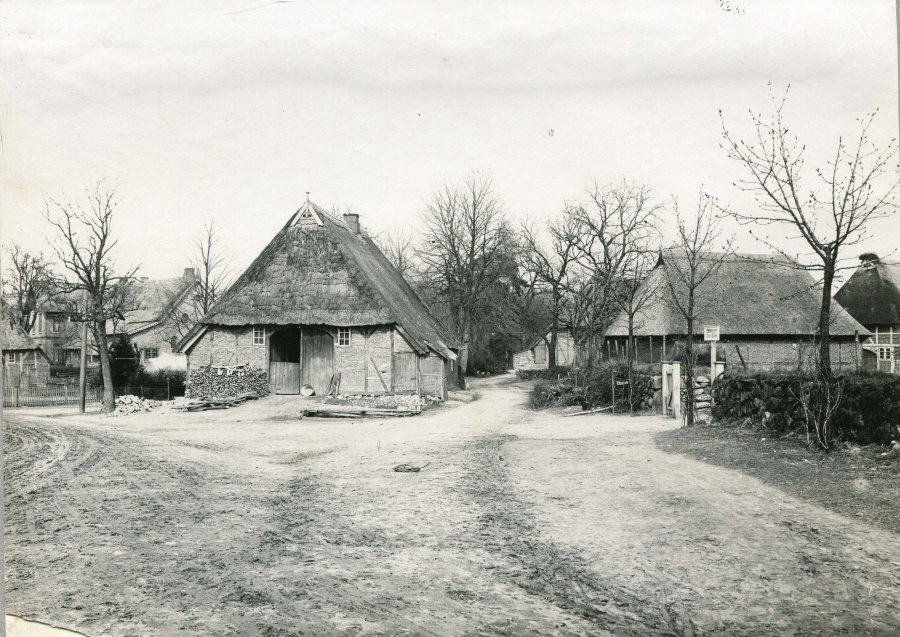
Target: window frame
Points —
{"points": [[258, 335], [344, 332], [145, 353], [13, 357], [885, 353]]}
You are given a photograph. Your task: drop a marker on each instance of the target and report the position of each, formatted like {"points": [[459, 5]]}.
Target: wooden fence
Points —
{"points": [[48, 395]]}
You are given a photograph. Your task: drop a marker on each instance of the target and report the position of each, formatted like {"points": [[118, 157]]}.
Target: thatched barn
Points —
{"points": [[24, 363], [321, 300], [766, 308], [872, 297]]}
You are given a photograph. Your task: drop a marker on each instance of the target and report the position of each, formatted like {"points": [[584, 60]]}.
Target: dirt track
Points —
{"points": [[247, 523]]}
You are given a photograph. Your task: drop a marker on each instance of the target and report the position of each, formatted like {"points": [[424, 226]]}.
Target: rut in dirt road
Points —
{"points": [[548, 570]]}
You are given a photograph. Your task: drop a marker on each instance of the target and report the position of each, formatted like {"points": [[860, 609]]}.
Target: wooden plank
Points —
{"points": [[378, 371]]}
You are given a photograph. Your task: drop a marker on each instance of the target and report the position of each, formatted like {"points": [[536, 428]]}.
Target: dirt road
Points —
{"points": [[246, 522]]}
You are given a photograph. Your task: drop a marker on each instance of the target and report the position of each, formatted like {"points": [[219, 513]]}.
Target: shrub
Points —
{"points": [[869, 411], [173, 379], [544, 374], [594, 388]]}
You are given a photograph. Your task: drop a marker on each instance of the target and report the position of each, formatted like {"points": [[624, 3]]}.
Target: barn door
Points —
{"points": [[403, 373], [284, 361], [317, 359]]}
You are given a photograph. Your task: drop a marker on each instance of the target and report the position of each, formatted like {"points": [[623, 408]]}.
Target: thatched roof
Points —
{"points": [[872, 294], [751, 294], [14, 338], [319, 271], [156, 299]]}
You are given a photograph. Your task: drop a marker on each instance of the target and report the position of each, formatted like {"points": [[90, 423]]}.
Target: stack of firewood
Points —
{"points": [[227, 380]]}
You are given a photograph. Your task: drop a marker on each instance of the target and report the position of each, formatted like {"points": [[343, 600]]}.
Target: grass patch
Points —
{"points": [[857, 482]]}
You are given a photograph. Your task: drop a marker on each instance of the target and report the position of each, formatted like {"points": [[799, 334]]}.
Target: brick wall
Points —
{"points": [[228, 346], [234, 345], [784, 354], [355, 361]]}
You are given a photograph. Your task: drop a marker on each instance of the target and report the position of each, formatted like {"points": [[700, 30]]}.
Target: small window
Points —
{"points": [[343, 336], [259, 336], [151, 352], [14, 357], [57, 324], [886, 353]]}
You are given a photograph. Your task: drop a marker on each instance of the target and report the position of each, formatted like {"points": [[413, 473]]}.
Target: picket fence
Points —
{"points": [[48, 395]]}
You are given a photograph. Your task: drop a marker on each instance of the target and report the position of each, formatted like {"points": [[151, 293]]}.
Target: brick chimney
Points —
{"points": [[868, 257], [352, 221], [190, 274]]}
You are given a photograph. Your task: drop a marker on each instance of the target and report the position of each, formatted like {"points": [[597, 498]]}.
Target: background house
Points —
{"points": [[767, 311], [872, 297], [322, 299], [536, 356], [24, 363], [162, 318]]}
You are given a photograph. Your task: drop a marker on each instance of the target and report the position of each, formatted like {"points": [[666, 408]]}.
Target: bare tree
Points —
{"points": [[635, 293], [30, 281], [850, 195], [212, 267], [465, 249], [688, 265], [84, 248], [398, 248], [615, 224], [819, 398], [547, 265]]}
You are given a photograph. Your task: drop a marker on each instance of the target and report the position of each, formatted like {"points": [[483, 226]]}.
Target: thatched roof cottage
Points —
{"points": [[872, 297], [766, 308], [24, 363], [320, 300]]}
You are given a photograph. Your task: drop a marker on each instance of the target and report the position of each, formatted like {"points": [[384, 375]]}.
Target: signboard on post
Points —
{"points": [[711, 335], [710, 332]]}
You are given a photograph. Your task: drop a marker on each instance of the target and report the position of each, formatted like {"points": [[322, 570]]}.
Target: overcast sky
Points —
{"points": [[235, 109]]}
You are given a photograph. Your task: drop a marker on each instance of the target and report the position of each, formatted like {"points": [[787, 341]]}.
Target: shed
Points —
{"points": [[24, 363]]}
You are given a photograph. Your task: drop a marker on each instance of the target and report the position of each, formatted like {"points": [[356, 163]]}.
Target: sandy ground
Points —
{"points": [[251, 522]]}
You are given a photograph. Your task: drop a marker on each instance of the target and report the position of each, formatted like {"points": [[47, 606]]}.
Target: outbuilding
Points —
{"points": [[322, 303]]}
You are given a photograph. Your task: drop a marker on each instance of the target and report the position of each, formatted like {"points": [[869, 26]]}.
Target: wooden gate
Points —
{"points": [[284, 361], [317, 359], [403, 373]]}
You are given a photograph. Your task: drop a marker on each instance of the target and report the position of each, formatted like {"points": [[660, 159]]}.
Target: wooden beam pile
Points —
{"points": [[342, 411], [210, 402]]}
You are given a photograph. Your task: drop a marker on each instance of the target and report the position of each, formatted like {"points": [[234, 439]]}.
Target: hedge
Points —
{"points": [[869, 411]]}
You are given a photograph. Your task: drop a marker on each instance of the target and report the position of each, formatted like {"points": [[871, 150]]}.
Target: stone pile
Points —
{"points": [[702, 396], [131, 404]]}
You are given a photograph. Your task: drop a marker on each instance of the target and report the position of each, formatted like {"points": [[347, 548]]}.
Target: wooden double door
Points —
{"points": [[300, 356]]}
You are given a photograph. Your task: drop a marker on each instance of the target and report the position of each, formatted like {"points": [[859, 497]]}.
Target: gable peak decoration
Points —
{"points": [[306, 215]]}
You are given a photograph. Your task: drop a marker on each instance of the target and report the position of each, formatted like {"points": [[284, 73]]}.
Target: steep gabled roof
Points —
{"points": [[872, 294], [319, 271], [751, 294], [14, 338], [156, 299]]}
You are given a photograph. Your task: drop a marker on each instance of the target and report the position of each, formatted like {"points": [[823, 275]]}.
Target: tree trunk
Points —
{"points": [[551, 348], [109, 398], [825, 317], [688, 402], [630, 362]]}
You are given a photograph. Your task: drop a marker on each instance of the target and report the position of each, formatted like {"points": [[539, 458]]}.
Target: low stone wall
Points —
{"points": [[869, 411]]}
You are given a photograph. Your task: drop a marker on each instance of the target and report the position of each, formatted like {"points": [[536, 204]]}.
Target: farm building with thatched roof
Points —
{"points": [[872, 297], [24, 363], [322, 302], [766, 308]]}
